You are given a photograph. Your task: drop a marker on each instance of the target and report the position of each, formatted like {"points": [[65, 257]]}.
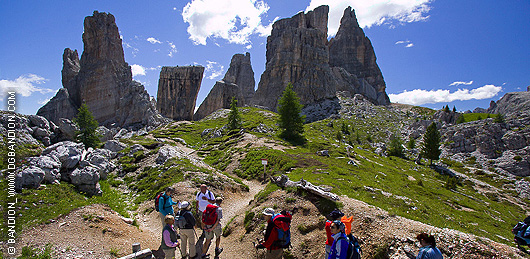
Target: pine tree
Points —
{"points": [[234, 118], [290, 121], [87, 127], [395, 147], [454, 108], [431, 143], [412, 143], [446, 109]]}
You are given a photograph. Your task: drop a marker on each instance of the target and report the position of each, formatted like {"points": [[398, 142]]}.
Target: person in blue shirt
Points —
{"points": [[165, 204], [339, 248], [428, 248]]}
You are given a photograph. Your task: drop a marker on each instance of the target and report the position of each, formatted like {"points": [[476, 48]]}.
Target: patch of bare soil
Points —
{"points": [[89, 232]]}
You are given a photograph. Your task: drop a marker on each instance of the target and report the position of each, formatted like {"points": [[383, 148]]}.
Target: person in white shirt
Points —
{"points": [[202, 199]]}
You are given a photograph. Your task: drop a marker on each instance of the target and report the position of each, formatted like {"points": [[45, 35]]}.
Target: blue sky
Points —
{"points": [[431, 53]]}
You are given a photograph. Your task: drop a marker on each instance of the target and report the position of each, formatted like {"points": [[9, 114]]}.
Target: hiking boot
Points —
{"points": [[218, 251]]}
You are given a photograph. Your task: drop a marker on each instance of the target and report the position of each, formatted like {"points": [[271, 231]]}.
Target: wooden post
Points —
{"points": [[264, 162], [136, 247]]}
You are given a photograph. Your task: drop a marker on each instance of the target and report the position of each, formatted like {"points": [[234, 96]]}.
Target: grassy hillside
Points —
{"points": [[395, 184]]}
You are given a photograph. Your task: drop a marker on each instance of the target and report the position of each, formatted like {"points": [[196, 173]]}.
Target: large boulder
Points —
{"points": [[86, 179], [178, 88], [29, 177], [166, 152], [100, 159], [50, 165], [114, 145], [68, 153]]}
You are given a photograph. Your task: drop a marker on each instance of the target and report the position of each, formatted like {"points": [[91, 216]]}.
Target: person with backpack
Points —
{"points": [[164, 204], [428, 248], [336, 214], [277, 234], [211, 224], [521, 233], [169, 237], [185, 221], [202, 199], [340, 246]]}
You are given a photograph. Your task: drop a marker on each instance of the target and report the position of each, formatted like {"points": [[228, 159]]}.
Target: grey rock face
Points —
{"points": [[50, 165], [101, 79], [240, 73], [177, 91], [86, 179], [238, 82], [220, 97], [114, 146], [60, 106], [30, 177], [68, 153], [100, 159], [511, 103], [298, 52], [353, 51]]}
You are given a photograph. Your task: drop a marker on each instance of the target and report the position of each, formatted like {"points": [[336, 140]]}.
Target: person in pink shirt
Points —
{"points": [[169, 237]]}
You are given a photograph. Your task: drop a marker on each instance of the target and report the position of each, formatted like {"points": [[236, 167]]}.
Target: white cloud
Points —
{"points": [[153, 40], [408, 42], [461, 83], [137, 70], [232, 20], [24, 85], [374, 12], [214, 68], [419, 97], [172, 49]]}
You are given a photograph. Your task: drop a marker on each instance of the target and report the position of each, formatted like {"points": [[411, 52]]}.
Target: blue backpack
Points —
{"points": [[282, 223], [354, 249]]}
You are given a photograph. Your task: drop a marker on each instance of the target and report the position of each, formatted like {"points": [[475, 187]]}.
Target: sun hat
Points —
{"points": [[184, 205], [268, 212]]}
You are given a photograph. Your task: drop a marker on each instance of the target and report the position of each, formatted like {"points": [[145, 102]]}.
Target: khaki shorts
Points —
{"points": [[217, 231]]}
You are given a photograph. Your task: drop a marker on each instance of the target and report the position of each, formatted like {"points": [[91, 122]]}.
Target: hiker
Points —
{"points": [[202, 199], [277, 224], [428, 248], [165, 204], [211, 224], [339, 248], [169, 237], [336, 214], [521, 233], [187, 231]]}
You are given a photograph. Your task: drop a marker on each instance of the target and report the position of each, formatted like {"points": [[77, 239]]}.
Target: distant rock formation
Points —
{"points": [[353, 51], [511, 103], [298, 53], [101, 79], [178, 88], [238, 82]]}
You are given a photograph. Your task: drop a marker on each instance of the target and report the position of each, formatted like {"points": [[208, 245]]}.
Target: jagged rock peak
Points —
{"points": [[101, 39], [238, 82], [353, 51], [71, 67], [178, 88], [240, 73], [101, 79], [297, 53], [317, 19]]}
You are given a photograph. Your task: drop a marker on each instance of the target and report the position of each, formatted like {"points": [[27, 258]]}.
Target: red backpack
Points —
{"points": [[209, 216]]}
